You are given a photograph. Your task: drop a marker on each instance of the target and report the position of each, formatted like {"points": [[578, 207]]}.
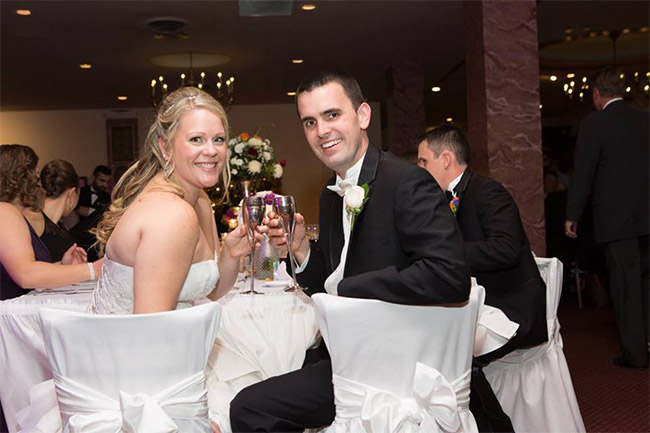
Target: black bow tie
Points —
{"points": [[449, 195]]}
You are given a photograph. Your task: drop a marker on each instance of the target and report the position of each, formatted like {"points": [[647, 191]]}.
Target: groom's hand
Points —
{"points": [[272, 226]]}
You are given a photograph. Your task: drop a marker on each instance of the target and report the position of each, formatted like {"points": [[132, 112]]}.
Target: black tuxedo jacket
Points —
{"points": [[405, 246], [498, 255], [611, 161]]}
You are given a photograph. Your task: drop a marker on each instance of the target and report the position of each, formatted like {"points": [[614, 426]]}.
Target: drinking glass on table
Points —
{"points": [[253, 213], [285, 207]]}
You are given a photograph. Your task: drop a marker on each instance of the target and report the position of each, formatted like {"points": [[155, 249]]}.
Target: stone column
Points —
{"points": [[405, 109], [504, 124]]}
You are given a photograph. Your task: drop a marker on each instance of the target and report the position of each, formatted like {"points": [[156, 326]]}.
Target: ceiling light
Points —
{"points": [[308, 7], [626, 31], [646, 87], [291, 93], [436, 89], [643, 30], [23, 12], [85, 66], [552, 78], [628, 89], [297, 61], [540, 106], [122, 98], [449, 119], [570, 75]]}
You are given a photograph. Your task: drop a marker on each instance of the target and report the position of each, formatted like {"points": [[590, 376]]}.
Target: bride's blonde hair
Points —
{"points": [[152, 160]]}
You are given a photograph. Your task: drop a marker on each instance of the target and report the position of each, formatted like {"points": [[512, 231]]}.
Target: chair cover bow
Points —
{"points": [[90, 411], [432, 408]]}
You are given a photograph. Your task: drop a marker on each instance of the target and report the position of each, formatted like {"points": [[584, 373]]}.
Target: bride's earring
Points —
{"points": [[168, 169]]}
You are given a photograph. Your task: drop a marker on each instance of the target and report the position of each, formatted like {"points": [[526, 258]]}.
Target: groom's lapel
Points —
{"points": [[367, 175]]}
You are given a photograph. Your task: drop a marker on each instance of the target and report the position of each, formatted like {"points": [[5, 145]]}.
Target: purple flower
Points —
{"points": [[269, 198]]}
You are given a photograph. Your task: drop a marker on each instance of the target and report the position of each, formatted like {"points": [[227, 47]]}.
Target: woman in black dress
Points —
{"points": [[60, 184]]}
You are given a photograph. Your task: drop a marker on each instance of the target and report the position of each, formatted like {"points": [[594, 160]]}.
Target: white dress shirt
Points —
{"points": [[454, 182]]}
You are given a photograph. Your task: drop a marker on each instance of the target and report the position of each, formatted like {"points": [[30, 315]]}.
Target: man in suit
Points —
{"points": [[402, 247], [497, 252], [611, 162], [95, 196]]}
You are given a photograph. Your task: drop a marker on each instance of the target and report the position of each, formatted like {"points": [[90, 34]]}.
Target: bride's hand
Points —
{"points": [[237, 242]]}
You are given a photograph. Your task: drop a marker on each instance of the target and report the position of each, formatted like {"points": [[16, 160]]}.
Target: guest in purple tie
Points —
{"points": [[25, 261], [393, 239]]}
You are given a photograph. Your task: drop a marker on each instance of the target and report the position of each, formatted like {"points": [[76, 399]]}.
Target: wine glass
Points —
{"points": [[253, 214], [285, 207]]}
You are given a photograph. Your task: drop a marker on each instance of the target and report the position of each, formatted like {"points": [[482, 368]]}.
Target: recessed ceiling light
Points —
{"points": [[435, 89], [628, 89], [85, 66], [570, 75], [540, 106], [291, 93], [626, 31], [297, 61], [552, 78], [308, 7], [449, 119], [23, 12], [122, 98]]}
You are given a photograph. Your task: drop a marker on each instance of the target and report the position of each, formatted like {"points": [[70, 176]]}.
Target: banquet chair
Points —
{"points": [[399, 368], [132, 373], [533, 385]]}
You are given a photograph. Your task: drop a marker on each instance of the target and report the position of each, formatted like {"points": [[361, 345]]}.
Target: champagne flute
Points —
{"points": [[253, 213], [285, 207]]}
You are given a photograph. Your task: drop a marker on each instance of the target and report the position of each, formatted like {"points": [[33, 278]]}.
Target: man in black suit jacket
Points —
{"points": [[611, 161], [497, 252], [403, 246]]}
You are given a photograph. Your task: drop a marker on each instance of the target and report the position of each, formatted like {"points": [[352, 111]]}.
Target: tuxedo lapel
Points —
{"points": [[367, 175], [460, 190]]}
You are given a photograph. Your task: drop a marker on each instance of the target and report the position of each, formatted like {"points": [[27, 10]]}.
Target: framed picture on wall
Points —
{"points": [[122, 137]]}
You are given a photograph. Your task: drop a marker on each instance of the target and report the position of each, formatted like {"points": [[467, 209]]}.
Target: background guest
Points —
{"points": [[25, 261], [497, 251], [611, 162], [60, 185], [94, 199]]}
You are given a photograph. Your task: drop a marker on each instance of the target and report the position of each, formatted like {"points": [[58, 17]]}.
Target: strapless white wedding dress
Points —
{"points": [[114, 291]]}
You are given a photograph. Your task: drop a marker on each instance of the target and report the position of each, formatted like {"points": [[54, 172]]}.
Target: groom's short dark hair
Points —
{"points": [[451, 138], [348, 82]]}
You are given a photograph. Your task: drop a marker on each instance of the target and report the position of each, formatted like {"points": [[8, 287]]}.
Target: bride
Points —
{"points": [[159, 235]]}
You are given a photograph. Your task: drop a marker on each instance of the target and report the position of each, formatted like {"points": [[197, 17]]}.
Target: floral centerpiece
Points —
{"points": [[252, 158]]}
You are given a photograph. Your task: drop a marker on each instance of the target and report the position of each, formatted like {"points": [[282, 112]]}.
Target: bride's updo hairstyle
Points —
{"points": [[152, 161]]}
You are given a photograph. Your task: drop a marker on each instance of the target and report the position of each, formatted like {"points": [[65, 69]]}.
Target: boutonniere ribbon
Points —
{"points": [[453, 204], [355, 199]]}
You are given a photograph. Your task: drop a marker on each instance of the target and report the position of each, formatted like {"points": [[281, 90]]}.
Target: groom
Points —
{"points": [[402, 246]]}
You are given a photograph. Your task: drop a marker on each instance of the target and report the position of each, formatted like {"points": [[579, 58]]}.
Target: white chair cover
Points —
{"points": [[534, 385], [399, 368], [132, 373]]}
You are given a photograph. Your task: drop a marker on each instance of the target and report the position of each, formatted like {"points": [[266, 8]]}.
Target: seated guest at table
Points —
{"points": [[25, 261], [405, 248], [95, 196], [60, 184], [159, 234], [496, 246]]}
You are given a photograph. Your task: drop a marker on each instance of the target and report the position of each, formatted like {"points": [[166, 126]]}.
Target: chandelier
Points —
{"points": [[221, 89], [575, 85]]}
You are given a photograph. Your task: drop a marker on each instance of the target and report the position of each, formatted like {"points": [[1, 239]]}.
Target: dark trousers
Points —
{"points": [[627, 265], [289, 403]]}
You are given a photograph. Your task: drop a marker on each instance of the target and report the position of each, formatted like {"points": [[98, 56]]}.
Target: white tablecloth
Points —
{"points": [[260, 336]]}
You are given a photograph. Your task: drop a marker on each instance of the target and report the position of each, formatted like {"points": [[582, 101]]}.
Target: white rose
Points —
{"points": [[354, 197], [232, 141], [233, 161], [266, 156], [233, 171], [240, 162], [277, 171], [255, 142], [239, 148], [254, 166]]}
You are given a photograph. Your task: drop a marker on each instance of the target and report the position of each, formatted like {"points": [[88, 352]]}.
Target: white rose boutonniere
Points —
{"points": [[355, 198]]}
